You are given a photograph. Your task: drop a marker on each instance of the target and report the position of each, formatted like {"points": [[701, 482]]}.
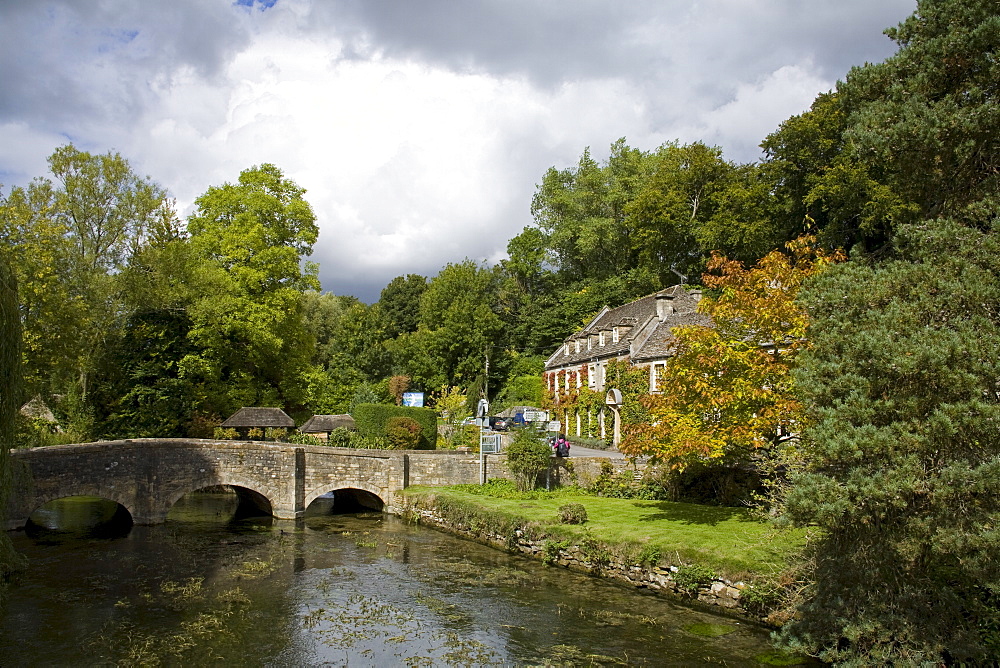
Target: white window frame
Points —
{"points": [[654, 377]]}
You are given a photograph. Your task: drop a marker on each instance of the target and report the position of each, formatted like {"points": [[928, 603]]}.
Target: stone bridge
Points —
{"points": [[147, 476]]}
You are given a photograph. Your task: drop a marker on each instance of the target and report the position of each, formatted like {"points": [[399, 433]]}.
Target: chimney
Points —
{"points": [[664, 305]]}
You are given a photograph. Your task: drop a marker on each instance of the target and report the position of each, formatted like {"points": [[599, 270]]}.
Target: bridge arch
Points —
{"points": [[102, 517], [370, 496], [249, 496]]}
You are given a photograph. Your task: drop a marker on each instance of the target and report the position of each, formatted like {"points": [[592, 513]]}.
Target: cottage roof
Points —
{"points": [[259, 417], [644, 329], [323, 423]]}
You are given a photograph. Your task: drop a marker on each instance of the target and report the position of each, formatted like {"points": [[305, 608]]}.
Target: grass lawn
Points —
{"points": [[727, 540]]}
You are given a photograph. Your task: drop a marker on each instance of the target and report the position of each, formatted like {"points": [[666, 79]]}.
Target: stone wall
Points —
{"points": [[719, 593]]}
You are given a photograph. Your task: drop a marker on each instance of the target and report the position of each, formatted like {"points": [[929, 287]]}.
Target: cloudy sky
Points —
{"points": [[419, 127]]}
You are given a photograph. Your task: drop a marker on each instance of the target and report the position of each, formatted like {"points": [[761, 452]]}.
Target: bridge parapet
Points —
{"points": [[148, 476]]}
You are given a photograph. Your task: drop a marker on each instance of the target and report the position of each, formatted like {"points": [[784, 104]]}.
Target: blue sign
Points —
{"points": [[413, 399]]}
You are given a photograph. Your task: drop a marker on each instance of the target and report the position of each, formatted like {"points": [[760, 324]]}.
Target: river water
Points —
{"points": [[361, 589]]}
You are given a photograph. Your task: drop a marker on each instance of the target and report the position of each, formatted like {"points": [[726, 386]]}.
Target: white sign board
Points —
{"points": [[536, 416], [489, 444], [555, 425]]}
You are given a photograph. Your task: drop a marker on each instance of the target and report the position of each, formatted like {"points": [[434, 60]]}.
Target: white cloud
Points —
{"points": [[419, 136]]}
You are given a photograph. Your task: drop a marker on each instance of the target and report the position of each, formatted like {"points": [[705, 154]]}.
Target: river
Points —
{"points": [[361, 589]]}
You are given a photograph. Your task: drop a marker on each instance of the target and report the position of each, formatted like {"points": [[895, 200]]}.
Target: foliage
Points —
{"points": [[691, 577], [528, 456], [225, 434], [275, 433], [397, 386], [138, 390], [255, 434], [903, 453], [254, 346], [341, 437], [403, 433], [451, 405], [728, 387], [299, 438], [399, 304], [372, 421], [611, 484], [572, 513], [10, 400]]}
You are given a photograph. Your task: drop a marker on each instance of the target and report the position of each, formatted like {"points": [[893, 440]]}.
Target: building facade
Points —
{"points": [[638, 332]]}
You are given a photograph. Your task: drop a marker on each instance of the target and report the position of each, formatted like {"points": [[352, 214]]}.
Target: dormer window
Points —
{"points": [[566, 349], [614, 335], [600, 338], [578, 345], [590, 343]]}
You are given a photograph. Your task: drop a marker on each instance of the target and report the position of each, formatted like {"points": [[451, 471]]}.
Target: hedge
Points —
{"points": [[371, 420]]}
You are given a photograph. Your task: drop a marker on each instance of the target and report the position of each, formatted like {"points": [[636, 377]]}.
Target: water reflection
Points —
{"points": [[78, 517], [210, 587]]}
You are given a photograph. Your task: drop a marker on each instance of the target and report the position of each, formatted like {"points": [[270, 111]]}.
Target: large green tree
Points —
{"points": [[254, 346], [901, 389], [72, 240]]}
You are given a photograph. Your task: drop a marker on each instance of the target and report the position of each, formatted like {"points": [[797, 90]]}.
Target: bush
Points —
{"points": [[372, 421], [691, 578], [528, 456], [572, 513], [275, 433], [225, 434], [299, 438], [341, 438], [255, 434], [403, 433]]}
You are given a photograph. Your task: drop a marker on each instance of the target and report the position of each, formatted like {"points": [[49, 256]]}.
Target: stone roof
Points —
{"points": [[259, 417], [660, 343], [323, 423], [644, 329], [37, 409]]}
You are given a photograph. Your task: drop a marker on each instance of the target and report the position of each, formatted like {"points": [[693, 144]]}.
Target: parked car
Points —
{"points": [[499, 424]]}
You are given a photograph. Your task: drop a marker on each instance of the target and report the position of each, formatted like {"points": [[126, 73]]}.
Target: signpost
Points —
{"points": [[536, 416], [486, 444]]}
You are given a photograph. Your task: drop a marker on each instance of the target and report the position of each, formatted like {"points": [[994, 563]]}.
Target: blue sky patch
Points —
{"points": [[264, 4]]}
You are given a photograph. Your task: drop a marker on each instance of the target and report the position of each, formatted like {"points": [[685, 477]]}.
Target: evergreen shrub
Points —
{"points": [[372, 421]]}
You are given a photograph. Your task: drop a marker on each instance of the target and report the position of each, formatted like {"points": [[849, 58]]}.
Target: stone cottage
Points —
{"points": [[639, 331]]}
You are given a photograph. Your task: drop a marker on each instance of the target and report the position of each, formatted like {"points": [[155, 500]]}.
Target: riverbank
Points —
{"points": [[718, 556]]}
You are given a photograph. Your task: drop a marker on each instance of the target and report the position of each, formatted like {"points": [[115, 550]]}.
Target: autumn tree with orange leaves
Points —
{"points": [[728, 389]]}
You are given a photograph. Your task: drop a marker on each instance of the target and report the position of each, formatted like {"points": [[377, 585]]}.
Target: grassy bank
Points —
{"points": [[726, 540]]}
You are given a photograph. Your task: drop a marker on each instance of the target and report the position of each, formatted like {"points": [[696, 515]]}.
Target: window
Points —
{"points": [[590, 342], [600, 338], [614, 335], [655, 372], [578, 345], [592, 376]]}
